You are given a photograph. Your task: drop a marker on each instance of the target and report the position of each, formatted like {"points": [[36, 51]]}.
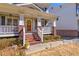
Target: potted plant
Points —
{"points": [[27, 44]]}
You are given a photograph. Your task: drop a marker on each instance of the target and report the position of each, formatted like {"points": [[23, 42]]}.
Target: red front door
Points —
{"points": [[29, 25]]}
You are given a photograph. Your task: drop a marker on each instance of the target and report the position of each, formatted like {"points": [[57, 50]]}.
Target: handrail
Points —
{"points": [[47, 30], [40, 33]]}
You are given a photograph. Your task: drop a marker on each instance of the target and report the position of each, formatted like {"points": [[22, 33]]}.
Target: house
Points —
{"points": [[67, 23], [23, 22], [68, 19]]}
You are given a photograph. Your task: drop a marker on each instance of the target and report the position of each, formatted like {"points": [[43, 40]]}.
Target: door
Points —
{"points": [[29, 25]]}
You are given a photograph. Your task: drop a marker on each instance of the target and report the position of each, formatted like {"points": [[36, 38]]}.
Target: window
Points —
{"points": [[44, 9], [9, 21], [77, 9], [15, 22], [2, 20], [44, 22], [60, 6]]}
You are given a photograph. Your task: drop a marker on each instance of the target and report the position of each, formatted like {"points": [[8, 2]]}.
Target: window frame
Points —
{"points": [[3, 22], [12, 18], [77, 9]]}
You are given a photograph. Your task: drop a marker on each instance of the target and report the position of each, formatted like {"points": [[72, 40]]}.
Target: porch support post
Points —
{"points": [[40, 30], [22, 28], [54, 27], [39, 22]]}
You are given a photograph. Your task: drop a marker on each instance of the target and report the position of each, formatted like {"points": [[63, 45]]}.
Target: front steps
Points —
{"points": [[33, 38]]}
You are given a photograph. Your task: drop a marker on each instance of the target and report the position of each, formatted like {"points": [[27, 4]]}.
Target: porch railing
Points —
{"points": [[47, 30], [8, 29], [40, 33]]}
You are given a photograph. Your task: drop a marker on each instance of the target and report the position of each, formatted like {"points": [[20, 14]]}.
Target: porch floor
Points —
{"points": [[33, 38]]}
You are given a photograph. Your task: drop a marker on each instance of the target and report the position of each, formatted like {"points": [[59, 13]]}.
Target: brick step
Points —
{"points": [[33, 38], [34, 42], [29, 38], [36, 37]]}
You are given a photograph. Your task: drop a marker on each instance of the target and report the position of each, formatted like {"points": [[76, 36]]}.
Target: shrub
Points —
{"points": [[49, 38], [6, 42], [57, 37], [18, 42]]}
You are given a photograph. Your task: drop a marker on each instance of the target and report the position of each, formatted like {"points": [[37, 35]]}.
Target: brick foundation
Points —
{"points": [[54, 30], [67, 32]]}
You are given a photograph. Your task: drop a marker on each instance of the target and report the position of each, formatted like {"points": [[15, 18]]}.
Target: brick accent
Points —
{"points": [[54, 30], [67, 32]]}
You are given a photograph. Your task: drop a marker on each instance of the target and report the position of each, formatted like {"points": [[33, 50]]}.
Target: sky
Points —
{"points": [[55, 4]]}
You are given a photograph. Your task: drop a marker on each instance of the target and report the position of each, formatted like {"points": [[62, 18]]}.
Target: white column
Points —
{"points": [[21, 20], [40, 30], [54, 27], [21, 24], [39, 22], [54, 23]]}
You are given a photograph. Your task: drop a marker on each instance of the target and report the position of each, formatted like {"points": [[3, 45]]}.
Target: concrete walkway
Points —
{"points": [[42, 46]]}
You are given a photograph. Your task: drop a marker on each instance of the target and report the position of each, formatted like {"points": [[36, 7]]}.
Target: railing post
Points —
{"points": [[23, 36], [42, 35]]}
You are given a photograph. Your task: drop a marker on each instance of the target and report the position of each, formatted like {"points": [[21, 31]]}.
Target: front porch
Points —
{"points": [[36, 28]]}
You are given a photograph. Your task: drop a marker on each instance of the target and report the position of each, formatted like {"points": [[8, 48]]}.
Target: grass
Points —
{"points": [[62, 50], [6, 42], [12, 52]]}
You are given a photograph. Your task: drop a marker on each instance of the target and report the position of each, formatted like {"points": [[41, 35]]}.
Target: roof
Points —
{"points": [[40, 5], [8, 8]]}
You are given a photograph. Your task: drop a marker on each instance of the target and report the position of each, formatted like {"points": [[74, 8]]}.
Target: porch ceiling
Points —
{"points": [[7, 8]]}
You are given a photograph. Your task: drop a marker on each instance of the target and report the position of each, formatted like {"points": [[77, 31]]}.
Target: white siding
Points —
{"points": [[67, 16]]}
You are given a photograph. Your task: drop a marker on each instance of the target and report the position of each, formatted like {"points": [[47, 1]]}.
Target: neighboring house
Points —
{"points": [[68, 19], [22, 21]]}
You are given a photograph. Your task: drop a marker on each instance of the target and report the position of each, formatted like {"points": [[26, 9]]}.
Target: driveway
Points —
{"points": [[72, 39]]}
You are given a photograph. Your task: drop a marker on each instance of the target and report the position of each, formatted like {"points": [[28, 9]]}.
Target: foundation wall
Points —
{"points": [[67, 32]]}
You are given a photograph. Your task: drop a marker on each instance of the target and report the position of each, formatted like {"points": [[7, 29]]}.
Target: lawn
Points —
{"points": [[62, 50]]}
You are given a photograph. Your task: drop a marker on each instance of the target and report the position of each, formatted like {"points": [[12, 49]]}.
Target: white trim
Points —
{"points": [[23, 4], [37, 7], [8, 35]]}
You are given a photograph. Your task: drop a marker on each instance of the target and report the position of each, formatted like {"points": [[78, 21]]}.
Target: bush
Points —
{"points": [[6, 42], [18, 42], [57, 37], [49, 38]]}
